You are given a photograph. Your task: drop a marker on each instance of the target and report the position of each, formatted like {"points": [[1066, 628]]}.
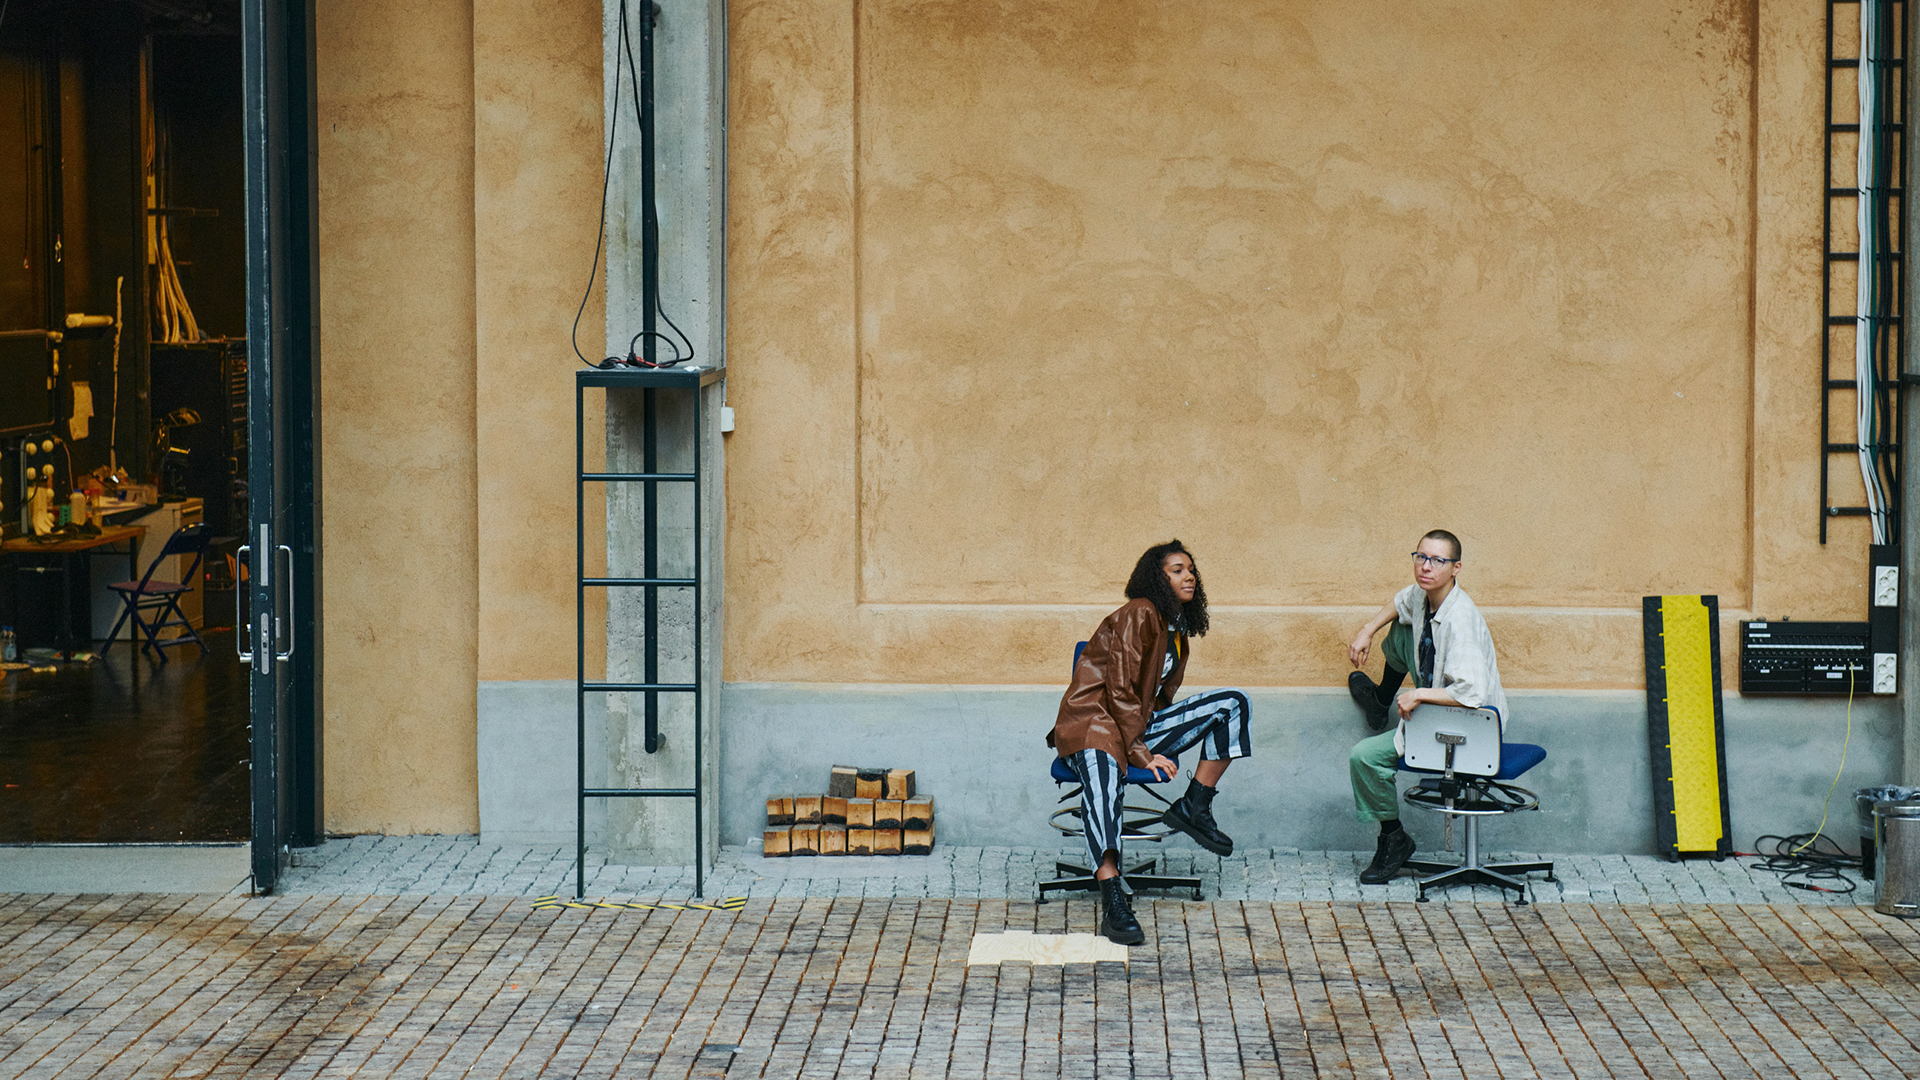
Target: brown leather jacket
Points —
{"points": [[1116, 686]]}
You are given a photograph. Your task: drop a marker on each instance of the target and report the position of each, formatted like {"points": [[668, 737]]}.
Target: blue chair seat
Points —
{"points": [[1064, 775], [1515, 759]]}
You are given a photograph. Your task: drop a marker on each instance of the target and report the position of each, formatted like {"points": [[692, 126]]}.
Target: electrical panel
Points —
{"points": [[1805, 658]]}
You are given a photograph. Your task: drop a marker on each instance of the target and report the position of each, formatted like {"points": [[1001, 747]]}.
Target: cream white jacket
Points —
{"points": [[1463, 663]]}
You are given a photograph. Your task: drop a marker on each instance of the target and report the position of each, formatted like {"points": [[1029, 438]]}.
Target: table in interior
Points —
{"points": [[70, 550]]}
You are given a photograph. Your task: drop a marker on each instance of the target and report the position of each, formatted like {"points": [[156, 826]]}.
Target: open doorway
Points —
{"points": [[123, 420]]}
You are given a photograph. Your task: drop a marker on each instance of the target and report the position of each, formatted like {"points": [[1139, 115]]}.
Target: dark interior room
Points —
{"points": [[123, 706]]}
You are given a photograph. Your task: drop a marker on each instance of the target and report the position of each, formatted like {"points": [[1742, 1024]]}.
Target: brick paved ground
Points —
{"points": [[431, 864], [467, 986]]}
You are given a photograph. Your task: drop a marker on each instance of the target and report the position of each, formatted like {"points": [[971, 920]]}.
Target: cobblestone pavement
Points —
{"points": [[441, 865], [469, 986]]}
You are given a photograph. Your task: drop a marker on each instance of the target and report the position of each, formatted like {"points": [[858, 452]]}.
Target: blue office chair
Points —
{"points": [[1470, 783], [163, 597], [1140, 824]]}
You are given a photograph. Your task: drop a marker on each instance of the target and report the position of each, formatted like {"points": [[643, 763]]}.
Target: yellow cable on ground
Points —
{"points": [[1822, 827]]}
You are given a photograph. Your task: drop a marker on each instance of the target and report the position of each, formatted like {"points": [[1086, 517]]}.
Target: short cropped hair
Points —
{"points": [[1452, 540]]}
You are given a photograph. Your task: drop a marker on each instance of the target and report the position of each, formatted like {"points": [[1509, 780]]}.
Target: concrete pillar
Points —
{"points": [[690, 178]]}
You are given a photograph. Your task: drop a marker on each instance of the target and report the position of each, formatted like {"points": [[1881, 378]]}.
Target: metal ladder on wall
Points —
{"points": [[649, 382], [1887, 325]]}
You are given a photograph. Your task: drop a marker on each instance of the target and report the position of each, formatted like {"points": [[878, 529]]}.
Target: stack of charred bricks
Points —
{"points": [[864, 812]]}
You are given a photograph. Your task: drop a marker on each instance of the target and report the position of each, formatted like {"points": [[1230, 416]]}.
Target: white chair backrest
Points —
{"points": [[1478, 755]]}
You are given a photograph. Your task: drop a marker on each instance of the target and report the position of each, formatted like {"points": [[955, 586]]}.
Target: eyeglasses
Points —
{"points": [[1428, 562]]}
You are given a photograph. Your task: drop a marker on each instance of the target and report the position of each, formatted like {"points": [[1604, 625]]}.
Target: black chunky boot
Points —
{"points": [[1366, 694], [1394, 849], [1192, 814], [1117, 923]]}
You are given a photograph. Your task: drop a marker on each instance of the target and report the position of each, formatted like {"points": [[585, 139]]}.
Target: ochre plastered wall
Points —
{"points": [[458, 199], [537, 168], [1017, 288]]}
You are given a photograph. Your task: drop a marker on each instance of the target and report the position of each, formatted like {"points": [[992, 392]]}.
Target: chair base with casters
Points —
{"points": [[1473, 798], [1138, 824]]}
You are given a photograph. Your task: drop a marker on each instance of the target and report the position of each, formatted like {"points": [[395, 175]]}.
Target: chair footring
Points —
{"points": [[1503, 876], [1076, 870], [1084, 881], [1138, 824]]}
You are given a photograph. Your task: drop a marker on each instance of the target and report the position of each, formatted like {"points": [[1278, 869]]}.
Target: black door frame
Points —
{"points": [[281, 623]]}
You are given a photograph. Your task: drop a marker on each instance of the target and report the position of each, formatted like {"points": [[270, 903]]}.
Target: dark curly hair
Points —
{"points": [[1149, 582]]}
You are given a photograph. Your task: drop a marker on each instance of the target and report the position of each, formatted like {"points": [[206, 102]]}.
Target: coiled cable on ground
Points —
{"points": [[1813, 862]]}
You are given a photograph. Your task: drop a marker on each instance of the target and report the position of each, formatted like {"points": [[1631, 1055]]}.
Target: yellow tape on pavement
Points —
{"points": [[541, 903]]}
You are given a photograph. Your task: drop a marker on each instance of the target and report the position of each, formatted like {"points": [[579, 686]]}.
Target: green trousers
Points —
{"points": [[1374, 760]]}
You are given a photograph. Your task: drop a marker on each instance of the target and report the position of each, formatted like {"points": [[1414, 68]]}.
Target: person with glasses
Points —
{"points": [[1439, 638]]}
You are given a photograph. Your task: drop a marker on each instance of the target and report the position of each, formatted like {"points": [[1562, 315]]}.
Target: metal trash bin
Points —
{"points": [[1896, 883], [1864, 801]]}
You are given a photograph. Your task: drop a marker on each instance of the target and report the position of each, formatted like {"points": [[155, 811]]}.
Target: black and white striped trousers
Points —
{"points": [[1216, 721]]}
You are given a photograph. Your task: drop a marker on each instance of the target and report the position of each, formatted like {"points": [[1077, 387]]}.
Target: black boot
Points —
{"points": [[1117, 923], [1393, 852], [1192, 814], [1366, 694]]}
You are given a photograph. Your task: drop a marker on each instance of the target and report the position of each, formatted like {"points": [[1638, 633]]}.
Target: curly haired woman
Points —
{"points": [[1119, 712]]}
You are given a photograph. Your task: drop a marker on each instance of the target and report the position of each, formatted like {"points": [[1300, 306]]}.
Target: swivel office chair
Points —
{"points": [[1464, 764], [1138, 824]]}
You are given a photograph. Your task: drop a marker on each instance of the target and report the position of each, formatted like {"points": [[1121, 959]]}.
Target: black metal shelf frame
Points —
{"points": [[650, 382], [1888, 326]]}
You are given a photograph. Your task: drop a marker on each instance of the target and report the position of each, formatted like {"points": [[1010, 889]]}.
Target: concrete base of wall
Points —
{"points": [[979, 752], [527, 763]]}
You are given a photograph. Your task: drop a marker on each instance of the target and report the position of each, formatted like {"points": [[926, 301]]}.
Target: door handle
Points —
{"points": [[243, 637], [291, 632]]}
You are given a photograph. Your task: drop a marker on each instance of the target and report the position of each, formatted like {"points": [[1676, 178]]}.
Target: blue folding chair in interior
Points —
{"points": [[1464, 764], [1138, 824], [161, 599]]}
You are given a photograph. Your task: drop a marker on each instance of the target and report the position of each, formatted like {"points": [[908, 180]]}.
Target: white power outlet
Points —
{"points": [[1886, 672], [1886, 586]]}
